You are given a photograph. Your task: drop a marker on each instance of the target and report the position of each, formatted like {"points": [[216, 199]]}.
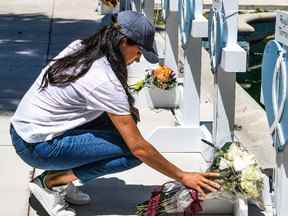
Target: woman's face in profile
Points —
{"points": [[131, 53]]}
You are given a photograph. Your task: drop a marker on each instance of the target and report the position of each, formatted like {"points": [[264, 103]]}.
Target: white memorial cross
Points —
{"points": [[193, 27], [275, 92], [281, 180], [227, 58]]}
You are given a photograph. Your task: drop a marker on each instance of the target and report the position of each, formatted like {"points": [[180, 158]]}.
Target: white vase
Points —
{"points": [[163, 98]]}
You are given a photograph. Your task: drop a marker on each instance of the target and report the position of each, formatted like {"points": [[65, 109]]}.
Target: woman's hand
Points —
{"points": [[200, 182]]}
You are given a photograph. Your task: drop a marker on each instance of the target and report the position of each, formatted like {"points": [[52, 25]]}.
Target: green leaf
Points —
{"points": [[226, 147]]}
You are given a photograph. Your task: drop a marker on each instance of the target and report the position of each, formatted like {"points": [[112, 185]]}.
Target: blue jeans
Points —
{"points": [[90, 151]]}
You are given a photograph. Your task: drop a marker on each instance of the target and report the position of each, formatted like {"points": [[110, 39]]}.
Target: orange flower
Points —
{"points": [[162, 73]]}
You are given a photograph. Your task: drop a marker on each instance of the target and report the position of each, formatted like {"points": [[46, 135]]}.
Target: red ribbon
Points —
{"points": [[195, 206], [154, 202]]}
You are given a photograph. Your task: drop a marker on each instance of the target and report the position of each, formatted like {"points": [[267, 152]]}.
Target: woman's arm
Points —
{"points": [[150, 156]]}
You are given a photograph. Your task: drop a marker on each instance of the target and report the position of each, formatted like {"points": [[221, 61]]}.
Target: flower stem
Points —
{"points": [[209, 143]]}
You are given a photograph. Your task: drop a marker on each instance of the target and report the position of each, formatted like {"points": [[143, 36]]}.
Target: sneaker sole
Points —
{"points": [[36, 191], [74, 202]]}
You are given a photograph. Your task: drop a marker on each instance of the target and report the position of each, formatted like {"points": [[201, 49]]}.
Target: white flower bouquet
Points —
{"points": [[240, 174]]}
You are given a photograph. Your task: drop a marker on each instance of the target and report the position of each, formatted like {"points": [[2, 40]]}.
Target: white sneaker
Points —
{"points": [[75, 196], [52, 201]]}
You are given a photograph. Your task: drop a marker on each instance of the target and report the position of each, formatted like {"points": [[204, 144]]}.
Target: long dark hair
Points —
{"points": [[103, 43]]}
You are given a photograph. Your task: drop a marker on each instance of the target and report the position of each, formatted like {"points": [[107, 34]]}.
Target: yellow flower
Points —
{"points": [[138, 86]]}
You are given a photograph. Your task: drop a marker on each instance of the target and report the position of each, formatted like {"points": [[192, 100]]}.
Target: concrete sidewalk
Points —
{"points": [[31, 33], [14, 176]]}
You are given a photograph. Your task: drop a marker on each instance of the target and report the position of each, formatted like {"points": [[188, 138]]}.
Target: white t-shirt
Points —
{"points": [[42, 115]]}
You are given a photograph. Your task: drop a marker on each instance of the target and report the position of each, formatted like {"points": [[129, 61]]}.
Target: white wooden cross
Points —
{"points": [[275, 94], [233, 59], [227, 59], [190, 105]]}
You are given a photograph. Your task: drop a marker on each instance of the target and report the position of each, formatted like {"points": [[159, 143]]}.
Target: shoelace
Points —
{"points": [[73, 189]]}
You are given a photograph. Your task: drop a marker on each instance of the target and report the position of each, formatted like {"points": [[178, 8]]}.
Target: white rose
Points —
{"points": [[224, 164], [239, 164], [250, 188], [249, 158], [252, 173], [233, 152]]}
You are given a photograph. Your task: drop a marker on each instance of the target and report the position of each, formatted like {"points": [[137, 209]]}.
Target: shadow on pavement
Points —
{"points": [[27, 41], [110, 196]]}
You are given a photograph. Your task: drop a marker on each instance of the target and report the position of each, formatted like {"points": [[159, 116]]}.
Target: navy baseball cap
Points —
{"points": [[137, 27]]}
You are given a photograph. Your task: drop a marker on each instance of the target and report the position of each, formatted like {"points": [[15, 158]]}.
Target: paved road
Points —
{"points": [[31, 33]]}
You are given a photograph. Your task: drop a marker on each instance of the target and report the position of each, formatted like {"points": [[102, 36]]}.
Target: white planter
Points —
{"points": [[163, 98]]}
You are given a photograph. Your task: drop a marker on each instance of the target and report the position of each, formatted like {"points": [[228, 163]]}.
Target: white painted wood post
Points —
{"points": [[171, 36], [148, 9], [124, 5], [224, 107], [136, 5], [233, 60], [240, 207], [281, 183], [144, 6], [281, 174], [192, 83], [190, 105]]}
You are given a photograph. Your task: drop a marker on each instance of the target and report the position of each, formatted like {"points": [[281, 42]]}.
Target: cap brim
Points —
{"points": [[150, 55]]}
